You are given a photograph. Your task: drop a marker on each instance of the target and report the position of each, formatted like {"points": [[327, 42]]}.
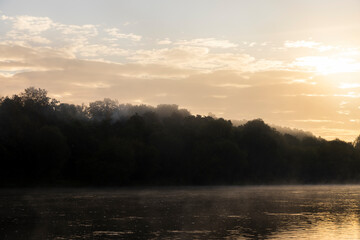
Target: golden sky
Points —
{"points": [[291, 63]]}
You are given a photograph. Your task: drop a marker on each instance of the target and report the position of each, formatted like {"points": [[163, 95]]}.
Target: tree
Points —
{"points": [[357, 143], [38, 96], [101, 110], [48, 153]]}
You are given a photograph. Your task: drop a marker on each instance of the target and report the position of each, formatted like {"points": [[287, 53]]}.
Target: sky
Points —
{"points": [[292, 63]]}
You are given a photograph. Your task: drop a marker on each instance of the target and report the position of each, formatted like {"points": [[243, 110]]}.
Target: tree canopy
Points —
{"points": [[45, 142]]}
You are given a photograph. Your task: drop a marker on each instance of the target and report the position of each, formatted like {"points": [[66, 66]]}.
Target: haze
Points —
{"points": [[291, 63]]}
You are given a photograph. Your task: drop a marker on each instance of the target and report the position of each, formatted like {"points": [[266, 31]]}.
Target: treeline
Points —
{"points": [[45, 142]]}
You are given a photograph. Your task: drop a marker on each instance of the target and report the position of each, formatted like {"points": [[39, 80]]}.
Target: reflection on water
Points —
{"points": [[271, 212]]}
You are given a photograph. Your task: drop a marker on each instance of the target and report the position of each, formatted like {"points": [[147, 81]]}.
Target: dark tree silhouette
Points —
{"points": [[46, 142]]}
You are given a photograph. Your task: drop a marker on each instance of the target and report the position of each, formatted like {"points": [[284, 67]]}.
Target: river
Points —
{"points": [[245, 212]]}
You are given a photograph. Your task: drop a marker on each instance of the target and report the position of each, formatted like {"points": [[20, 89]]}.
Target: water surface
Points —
{"points": [[270, 212]]}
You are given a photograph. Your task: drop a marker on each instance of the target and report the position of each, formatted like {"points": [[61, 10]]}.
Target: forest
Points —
{"points": [[47, 143]]}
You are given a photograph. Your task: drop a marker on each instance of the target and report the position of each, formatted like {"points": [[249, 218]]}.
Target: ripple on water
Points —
{"points": [[274, 212]]}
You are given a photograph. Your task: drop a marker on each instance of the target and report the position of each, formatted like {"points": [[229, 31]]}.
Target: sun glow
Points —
{"points": [[328, 65]]}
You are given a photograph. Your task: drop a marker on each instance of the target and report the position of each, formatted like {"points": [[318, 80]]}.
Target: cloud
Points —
{"points": [[301, 81], [207, 42], [308, 44], [182, 57], [300, 44], [232, 85], [94, 50], [337, 133], [32, 24], [27, 29], [78, 40], [345, 112], [20, 57], [349, 85], [87, 30], [327, 64], [24, 38], [219, 96], [4, 17], [95, 85], [283, 111], [87, 42], [203, 60], [317, 121], [348, 95], [165, 41], [115, 32]]}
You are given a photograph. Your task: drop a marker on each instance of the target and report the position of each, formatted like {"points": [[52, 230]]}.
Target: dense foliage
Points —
{"points": [[46, 142]]}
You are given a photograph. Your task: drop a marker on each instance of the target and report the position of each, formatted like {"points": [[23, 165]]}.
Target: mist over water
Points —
{"points": [[261, 212]]}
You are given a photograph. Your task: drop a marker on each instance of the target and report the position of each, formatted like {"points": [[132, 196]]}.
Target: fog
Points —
{"points": [[250, 213]]}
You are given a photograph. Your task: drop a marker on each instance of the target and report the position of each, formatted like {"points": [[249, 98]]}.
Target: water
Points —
{"points": [[271, 212]]}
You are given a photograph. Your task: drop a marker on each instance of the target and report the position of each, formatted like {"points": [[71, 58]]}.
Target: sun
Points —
{"points": [[326, 65]]}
